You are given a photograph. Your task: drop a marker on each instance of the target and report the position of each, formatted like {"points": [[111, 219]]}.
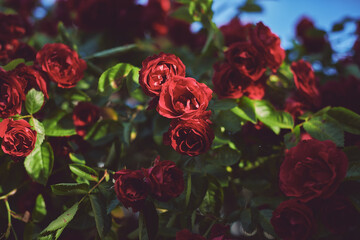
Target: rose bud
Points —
{"points": [[189, 137], [12, 26], [158, 69], [131, 188], [84, 115], [247, 59], [62, 64], [312, 169], [293, 221], [184, 98], [18, 138], [11, 95], [166, 180], [268, 44], [185, 234], [305, 81], [30, 78], [230, 83]]}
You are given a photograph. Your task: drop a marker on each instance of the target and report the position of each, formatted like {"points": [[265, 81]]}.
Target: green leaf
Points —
{"points": [[245, 110], [59, 125], [292, 138], [246, 219], [77, 158], [39, 212], [56, 227], [229, 120], [182, 13], [34, 101], [104, 131], [69, 188], [251, 7], [113, 77], [39, 128], [12, 65], [213, 199], [223, 104], [276, 120], [84, 171], [132, 80], [102, 219], [264, 219], [112, 51], [353, 172], [40, 162], [325, 129], [225, 156], [347, 119]]}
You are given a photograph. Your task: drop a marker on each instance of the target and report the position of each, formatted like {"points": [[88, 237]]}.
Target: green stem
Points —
{"points": [[7, 233], [4, 197], [96, 185], [111, 51]]}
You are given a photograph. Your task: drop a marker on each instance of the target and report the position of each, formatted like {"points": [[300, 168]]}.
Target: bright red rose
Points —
{"points": [[305, 81], [11, 95], [189, 137], [293, 221], [18, 138], [84, 115], [131, 188], [158, 69], [268, 44], [12, 26], [230, 83], [30, 78], [187, 235], [166, 180], [247, 59], [312, 169], [339, 215], [235, 31], [62, 64], [184, 98]]}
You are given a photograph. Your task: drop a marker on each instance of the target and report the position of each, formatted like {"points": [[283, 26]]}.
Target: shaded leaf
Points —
{"points": [[70, 188]]}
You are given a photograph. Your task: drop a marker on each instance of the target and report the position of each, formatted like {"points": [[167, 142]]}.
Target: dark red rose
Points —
{"points": [[187, 235], [166, 180], [11, 95], [131, 188], [339, 215], [247, 59], [184, 98], [23, 7], [30, 78], [235, 31], [158, 69], [84, 115], [18, 138], [12, 26], [305, 81], [312, 169], [268, 44], [192, 137], [155, 16], [230, 83], [303, 26], [219, 232], [295, 106], [293, 221], [312, 39], [13, 49], [62, 64]]}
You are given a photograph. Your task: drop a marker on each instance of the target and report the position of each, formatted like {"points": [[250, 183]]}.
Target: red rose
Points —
{"points": [[23, 7], [339, 215], [295, 107], [235, 31], [312, 39], [84, 115], [189, 137], [293, 221], [11, 95], [18, 138], [12, 26], [158, 69], [130, 188], [312, 169], [268, 44], [303, 26], [166, 180], [187, 235], [305, 81], [246, 58], [61, 64], [30, 78], [230, 83], [13, 49], [184, 98]]}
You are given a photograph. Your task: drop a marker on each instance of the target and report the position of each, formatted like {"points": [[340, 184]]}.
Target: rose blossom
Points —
{"points": [[189, 137], [12, 26], [158, 69], [18, 138], [62, 64], [84, 115], [235, 31], [130, 188], [312, 169], [166, 180], [11, 95], [184, 98], [293, 221]]}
